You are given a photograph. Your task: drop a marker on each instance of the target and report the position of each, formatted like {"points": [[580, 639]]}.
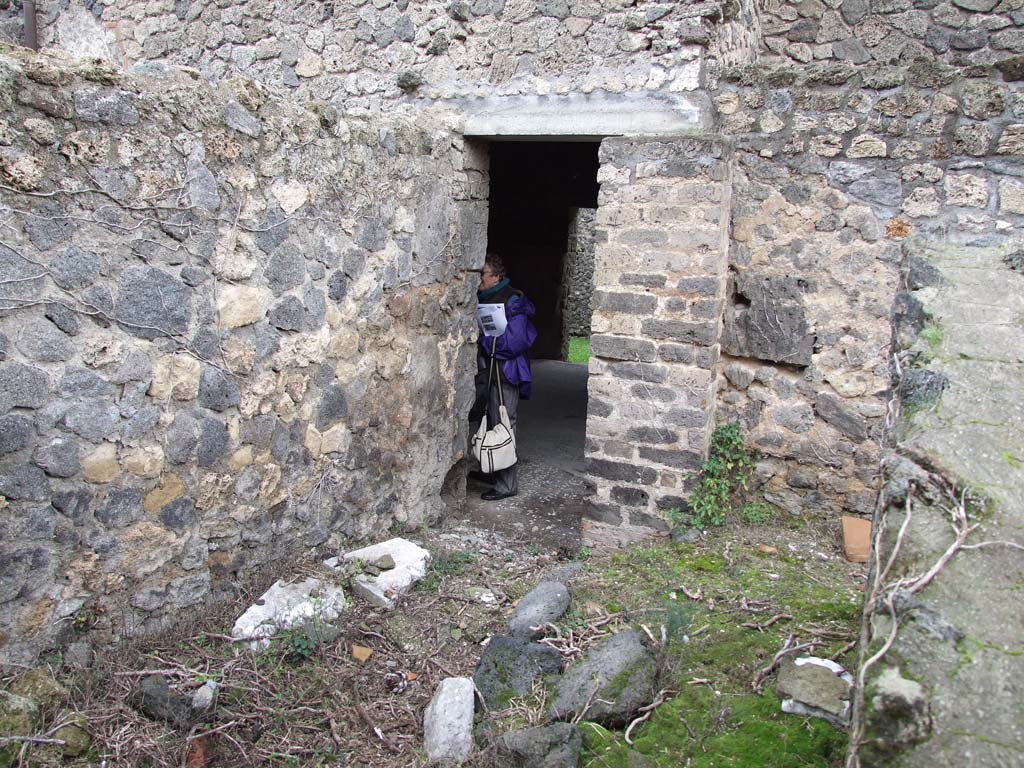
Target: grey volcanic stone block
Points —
{"points": [[653, 373], [622, 348], [652, 435], [92, 419], [288, 314], [23, 482], [630, 497], [20, 278], [73, 268], [557, 745], [122, 508], [45, 342], [58, 457], [141, 423], [679, 330], [770, 322], [16, 432], [626, 303], [240, 119], [615, 470], [182, 437], [214, 441], [179, 514], [81, 382], [545, 602], [337, 285], [152, 303], [333, 407], [63, 317], [47, 229], [217, 390], [616, 678], [101, 105], [75, 504], [830, 408], [272, 230], [286, 269], [686, 460], [509, 666]]}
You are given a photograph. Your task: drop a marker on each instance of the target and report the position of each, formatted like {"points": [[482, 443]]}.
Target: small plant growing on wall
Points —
{"points": [[723, 482]]}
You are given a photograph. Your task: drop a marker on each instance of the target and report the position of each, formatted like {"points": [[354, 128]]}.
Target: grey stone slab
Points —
{"points": [[557, 745], [616, 678], [509, 666], [545, 602]]}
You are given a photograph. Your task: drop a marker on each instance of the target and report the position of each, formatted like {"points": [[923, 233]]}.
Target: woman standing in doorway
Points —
{"points": [[511, 349]]}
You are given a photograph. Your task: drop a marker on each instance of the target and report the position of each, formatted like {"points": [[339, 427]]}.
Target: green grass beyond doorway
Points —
{"points": [[579, 349]]}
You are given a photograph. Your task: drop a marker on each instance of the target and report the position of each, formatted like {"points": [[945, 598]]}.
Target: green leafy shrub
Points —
{"points": [[723, 477], [299, 645]]}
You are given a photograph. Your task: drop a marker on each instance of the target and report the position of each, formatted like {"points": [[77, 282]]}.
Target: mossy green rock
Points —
{"points": [[74, 733], [615, 679], [18, 717], [509, 666], [39, 686]]}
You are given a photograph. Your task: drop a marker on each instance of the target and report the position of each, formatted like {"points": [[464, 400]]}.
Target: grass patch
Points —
{"points": [[579, 349], [450, 564], [701, 729], [724, 723]]}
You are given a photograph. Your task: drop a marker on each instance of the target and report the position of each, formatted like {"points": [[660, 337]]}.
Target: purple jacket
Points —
{"points": [[513, 346]]}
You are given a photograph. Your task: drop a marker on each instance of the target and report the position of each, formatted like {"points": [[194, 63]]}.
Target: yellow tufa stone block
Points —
{"points": [[101, 465]]}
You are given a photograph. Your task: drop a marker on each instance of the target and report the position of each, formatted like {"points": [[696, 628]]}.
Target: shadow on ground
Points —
{"points": [[553, 491]]}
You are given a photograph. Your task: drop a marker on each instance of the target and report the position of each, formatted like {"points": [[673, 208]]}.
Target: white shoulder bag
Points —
{"points": [[495, 448]]}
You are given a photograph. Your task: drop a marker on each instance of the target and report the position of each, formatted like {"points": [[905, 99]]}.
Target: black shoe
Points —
{"points": [[493, 495]]}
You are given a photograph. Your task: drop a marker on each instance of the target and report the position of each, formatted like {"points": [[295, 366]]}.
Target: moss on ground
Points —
{"points": [[722, 722]]}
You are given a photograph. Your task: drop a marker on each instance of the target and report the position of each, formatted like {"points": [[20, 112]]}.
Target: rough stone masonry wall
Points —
{"points": [[579, 273], [229, 327], [860, 122], [662, 222], [368, 53], [861, 125]]}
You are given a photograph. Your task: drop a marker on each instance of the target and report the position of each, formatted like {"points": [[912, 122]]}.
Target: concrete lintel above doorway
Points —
{"points": [[581, 116]]}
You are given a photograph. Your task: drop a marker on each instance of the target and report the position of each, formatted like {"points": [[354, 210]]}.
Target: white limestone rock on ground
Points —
{"points": [[811, 686], [384, 590], [287, 605], [448, 722]]}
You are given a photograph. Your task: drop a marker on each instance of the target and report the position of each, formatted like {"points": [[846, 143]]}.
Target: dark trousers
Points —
{"points": [[506, 480]]}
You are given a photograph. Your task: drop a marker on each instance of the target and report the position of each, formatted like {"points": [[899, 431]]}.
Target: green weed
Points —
{"points": [[451, 564], [723, 476], [757, 512]]}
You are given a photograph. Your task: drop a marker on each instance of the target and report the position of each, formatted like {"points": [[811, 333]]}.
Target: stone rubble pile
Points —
{"points": [[615, 678]]}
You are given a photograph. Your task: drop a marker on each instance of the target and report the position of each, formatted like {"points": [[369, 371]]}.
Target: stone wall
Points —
{"points": [[230, 326], [660, 272], [579, 274], [369, 53], [855, 124], [861, 125]]}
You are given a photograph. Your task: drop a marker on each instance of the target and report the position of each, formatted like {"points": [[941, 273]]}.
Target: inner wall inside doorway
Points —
{"points": [[535, 189]]}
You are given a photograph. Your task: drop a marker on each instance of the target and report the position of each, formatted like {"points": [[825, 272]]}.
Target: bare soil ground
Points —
{"points": [[722, 607]]}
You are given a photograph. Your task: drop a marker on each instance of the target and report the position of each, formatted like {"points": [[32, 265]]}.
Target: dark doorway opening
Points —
{"points": [[537, 191]]}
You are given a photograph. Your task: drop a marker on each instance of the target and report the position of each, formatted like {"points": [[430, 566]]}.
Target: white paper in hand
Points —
{"points": [[491, 319]]}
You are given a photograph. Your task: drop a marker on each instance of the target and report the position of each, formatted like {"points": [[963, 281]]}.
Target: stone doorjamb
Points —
{"points": [[660, 280]]}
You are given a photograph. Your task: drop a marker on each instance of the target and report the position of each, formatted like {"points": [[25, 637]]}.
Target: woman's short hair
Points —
{"points": [[497, 266]]}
